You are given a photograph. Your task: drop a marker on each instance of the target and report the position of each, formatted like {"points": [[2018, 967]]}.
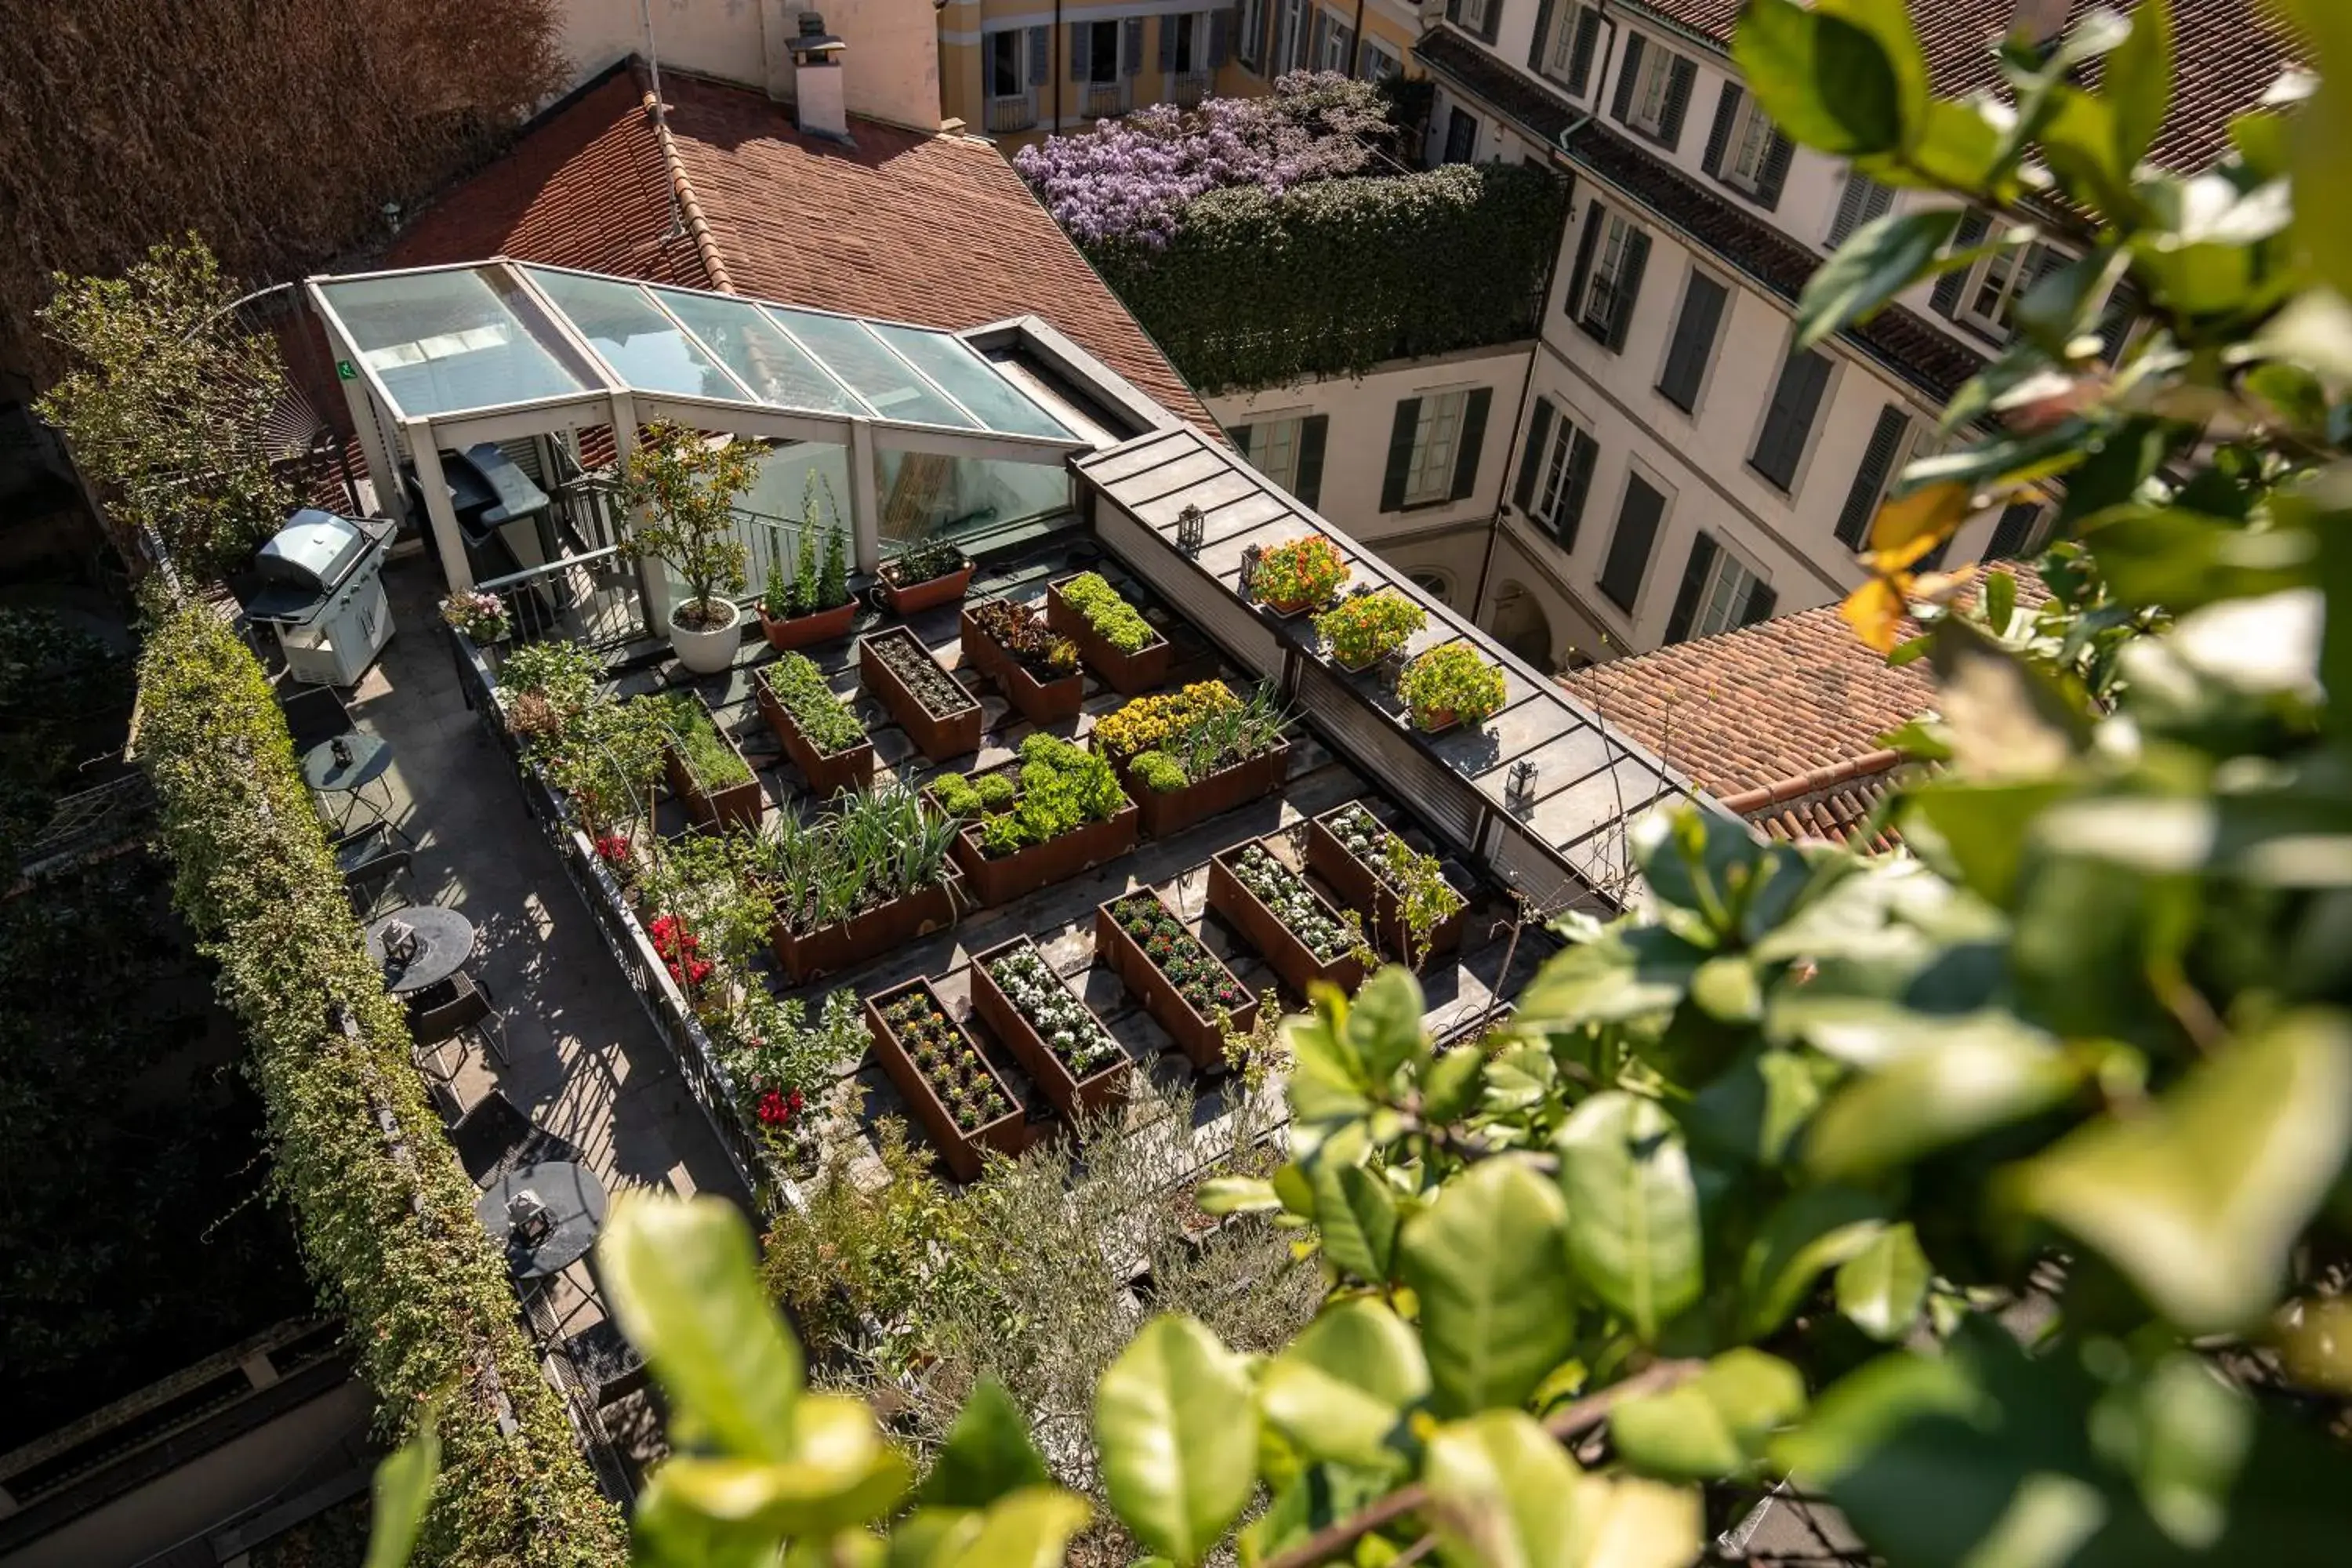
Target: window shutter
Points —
{"points": [[1774, 176], [1760, 600], [1408, 418], [1851, 202], [2011, 534], [1629, 549], [1532, 456], [1629, 288], [1870, 479], [1795, 401], [1946, 301], [1702, 301], [1041, 56], [1167, 26], [1579, 61], [1493, 20], [1239, 435], [2116, 320], [1131, 47], [1718, 139], [1320, 30], [1702, 556], [1220, 34], [1680, 76], [1080, 33], [1581, 453], [1454, 12], [1583, 267], [1313, 431], [1535, 43], [1627, 74], [1471, 439]]}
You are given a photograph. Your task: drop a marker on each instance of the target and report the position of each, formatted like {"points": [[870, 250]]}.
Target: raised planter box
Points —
{"points": [[938, 736], [805, 631], [919, 596], [1196, 1035], [828, 773], [1008, 876], [962, 1150], [735, 806], [1178, 809], [1361, 886], [1040, 702], [806, 955], [1289, 956], [1128, 674], [1097, 1091]]}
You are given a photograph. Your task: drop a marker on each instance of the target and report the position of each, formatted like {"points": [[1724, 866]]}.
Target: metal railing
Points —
{"points": [[1103, 101], [591, 598], [1007, 115], [1189, 88]]}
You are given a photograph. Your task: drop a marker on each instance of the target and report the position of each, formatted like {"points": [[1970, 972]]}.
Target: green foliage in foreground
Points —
{"points": [[389, 1233]]}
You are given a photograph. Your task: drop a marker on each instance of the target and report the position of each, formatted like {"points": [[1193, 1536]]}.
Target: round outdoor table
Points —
{"points": [[371, 759], [576, 1205], [445, 940]]}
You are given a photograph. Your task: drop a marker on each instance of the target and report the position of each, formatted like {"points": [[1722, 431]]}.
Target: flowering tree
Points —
{"points": [[1130, 179]]}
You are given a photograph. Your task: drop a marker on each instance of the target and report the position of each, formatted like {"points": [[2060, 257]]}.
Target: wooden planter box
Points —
{"points": [[921, 596], [1007, 878], [1179, 809], [827, 774], [1196, 1036], [1040, 702], [1361, 885], [1287, 954], [804, 955], [1128, 674], [737, 805], [804, 631], [936, 736], [1097, 1092], [1008, 1134]]}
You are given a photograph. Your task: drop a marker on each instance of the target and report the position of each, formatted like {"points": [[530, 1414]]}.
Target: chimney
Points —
{"points": [[2044, 22], [816, 80]]}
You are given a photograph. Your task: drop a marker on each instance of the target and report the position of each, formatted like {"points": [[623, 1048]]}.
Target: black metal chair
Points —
{"points": [[447, 1010], [371, 865], [494, 1138], [314, 714]]}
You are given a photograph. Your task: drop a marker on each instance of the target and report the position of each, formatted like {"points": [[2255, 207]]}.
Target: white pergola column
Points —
{"points": [[865, 497], [652, 583], [439, 515]]}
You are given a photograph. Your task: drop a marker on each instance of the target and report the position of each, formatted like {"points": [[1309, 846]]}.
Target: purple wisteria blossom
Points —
{"points": [[1129, 179]]}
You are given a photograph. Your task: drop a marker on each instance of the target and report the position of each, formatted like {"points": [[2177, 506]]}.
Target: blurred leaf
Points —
{"points": [[987, 1455], [1882, 1288], [1383, 1028], [2004, 718], [1449, 1086], [1327, 1079], [1814, 1229], [1976, 832], [2199, 1199], [2294, 391], [1342, 1386], [1626, 1522], [1319, 1496], [2324, 138], [1875, 611], [1488, 1261], [2137, 81], [2183, 1434], [1725, 989], [1881, 260], [1752, 1109], [1238, 1194], [840, 1475], [1961, 1078], [2180, 560], [1177, 1430], [1026, 1529], [1503, 1493], [1999, 600], [684, 1281], [1629, 972], [1632, 1208], [1908, 526], [1826, 81], [1353, 1207], [1715, 1425], [401, 1491]]}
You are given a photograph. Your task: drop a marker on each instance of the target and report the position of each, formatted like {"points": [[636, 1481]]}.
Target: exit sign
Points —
{"points": [[346, 370]]}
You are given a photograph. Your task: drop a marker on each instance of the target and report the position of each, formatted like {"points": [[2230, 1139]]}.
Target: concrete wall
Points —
{"points": [[892, 64]]}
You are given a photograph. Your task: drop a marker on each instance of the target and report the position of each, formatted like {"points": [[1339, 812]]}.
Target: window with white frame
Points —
{"points": [[1561, 483], [1649, 106], [1339, 40], [1991, 299], [1271, 446], [1189, 52], [1249, 31], [1751, 146], [1602, 293], [1723, 601], [1289, 37], [1471, 15], [1559, 49], [1006, 75], [1436, 584], [1377, 62], [1429, 472]]}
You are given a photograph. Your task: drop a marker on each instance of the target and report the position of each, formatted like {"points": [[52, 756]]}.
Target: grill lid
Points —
{"points": [[315, 551]]}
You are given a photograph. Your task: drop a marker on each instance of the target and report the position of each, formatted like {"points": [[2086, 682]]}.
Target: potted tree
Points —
{"points": [[813, 604], [684, 489]]}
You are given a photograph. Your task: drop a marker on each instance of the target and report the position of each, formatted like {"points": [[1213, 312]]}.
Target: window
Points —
{"points": [[1338, 40], [2012, 536], [1461, 136], [1289, 36], [1723, 597], [1751, 146], [1249, 39], [1651, 74], [1629, 547], [1434, 583], [1991, 299], [1433, 444], [1271, 445], [1005, 77], [1789, 420], [1471, 15], [1567, 57], [1377, 62], [1870, 479], [1694, 345], [1101, 61], [1604, 296], [1863, 201], [1188, 51], [1429, 474], [1559, 474]]}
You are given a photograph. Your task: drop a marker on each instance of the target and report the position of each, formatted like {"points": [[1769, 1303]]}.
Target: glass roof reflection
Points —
{"points": [[644, 347], [756, 350], [879, 376], [446, 342]]}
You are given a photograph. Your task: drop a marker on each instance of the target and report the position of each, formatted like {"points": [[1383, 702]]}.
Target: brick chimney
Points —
{"points": [[818, 102]]}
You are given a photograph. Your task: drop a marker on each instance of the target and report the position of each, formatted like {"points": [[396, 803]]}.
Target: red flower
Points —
{"points": [[777, 1108], [614, 849]]}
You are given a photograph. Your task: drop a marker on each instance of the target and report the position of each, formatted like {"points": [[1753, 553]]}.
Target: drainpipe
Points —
{"points": [[1061, 68], [1356, 39]]}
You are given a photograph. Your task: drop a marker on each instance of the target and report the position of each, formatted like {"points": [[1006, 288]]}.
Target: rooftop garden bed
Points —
{"points": [[925, 573], [815, 728], [938, 715], [707, 770], [1067, 813], [813, 604], [1112, 636], [1186, 988], [1416, 912], [1302, 936], [1057, 1035], [1192, 754], [871, 873], [963, 1105], [1036, 666]]}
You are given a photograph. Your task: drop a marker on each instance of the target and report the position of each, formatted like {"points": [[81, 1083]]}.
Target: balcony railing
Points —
{"points": [[1103, 101], [1009, 114], [1188, 89]]}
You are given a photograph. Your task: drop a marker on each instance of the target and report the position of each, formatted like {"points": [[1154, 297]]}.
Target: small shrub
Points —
{"points": [[709, 760], [1158, 772], [1451, 680], [956, 795], [823, 720], [1363, 627], [1115, 620], [996, 791], [1306, 571]]}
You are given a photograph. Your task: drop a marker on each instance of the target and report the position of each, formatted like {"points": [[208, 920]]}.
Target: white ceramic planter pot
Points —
{"points": [[707, 650]]}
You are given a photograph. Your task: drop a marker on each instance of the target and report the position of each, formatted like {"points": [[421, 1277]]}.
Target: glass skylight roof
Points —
{"points": [[449, 342]]}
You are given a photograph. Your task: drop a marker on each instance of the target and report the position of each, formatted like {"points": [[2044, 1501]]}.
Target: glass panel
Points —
{"points": [[924, 492], [644, 347], [763, 358], [446, 341], [802, 483], [971, 381], [873, 371]]}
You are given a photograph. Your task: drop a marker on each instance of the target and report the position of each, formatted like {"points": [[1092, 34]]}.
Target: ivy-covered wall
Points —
{"points": [[1335, 277], [384, 1214]]}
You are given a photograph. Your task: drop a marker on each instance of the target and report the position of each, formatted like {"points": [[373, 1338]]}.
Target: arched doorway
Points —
{"points": [[1520, 625]]}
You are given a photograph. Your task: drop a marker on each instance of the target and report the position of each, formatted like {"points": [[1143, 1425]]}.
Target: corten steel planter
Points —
{"points": [[1099, 1090], [938, 736], [1008, 1134], [828, 773], [1197, 1036], [736, 805], [1361, 886], [1289, 956], [1128, 674], [806, 955], [805, 631], [1040, 702], [916, 597], [1178, 809], [1008, 876]]}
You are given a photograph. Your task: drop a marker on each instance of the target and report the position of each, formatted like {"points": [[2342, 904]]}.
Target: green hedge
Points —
{"points": [[392, 1242], [1337, 277]]}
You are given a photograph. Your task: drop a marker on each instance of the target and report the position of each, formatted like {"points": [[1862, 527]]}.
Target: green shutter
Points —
{"points": [[1531, 456], [1313, 431], [1627, 74], [1629, 288], [1946, 299], [1718, 136], [1473, 438], [1760, 602], [1774, 176], [1583, 267], [1870, 479], [1789, 420], [1536, 40], [1694, 569], [1408, 418], [1680, 76], [1582, 453], [1579, 61], [1702, 314], [1629, 549]]}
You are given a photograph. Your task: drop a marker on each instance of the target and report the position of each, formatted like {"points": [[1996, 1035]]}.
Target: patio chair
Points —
{"points": [[370, 866], [448, 1011], [315, 714], [494, 1138]]}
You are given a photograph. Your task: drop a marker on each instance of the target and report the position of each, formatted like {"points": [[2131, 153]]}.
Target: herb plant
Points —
{"points": [[924, 559], [1114, 620], [1451, 680], [824, 719], [1021, 630], [1198, 975], [1365, 627], [709, 760], [1302, 572], [876, 846], [1063, 788], [1067, 1026]]}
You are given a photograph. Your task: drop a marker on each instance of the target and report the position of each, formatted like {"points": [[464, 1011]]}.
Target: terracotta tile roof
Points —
{"points": [[1838, 804], [936, 230]]}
